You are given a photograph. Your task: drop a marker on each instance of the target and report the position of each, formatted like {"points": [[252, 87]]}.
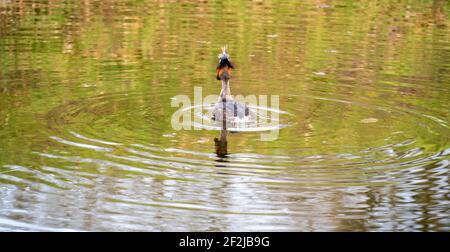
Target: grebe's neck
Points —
{"points": [[225, 93]]}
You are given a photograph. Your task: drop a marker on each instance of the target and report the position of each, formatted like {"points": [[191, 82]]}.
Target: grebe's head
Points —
{"points": [[224, 67]]}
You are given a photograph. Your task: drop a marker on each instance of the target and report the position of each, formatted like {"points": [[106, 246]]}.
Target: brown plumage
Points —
{"points": [[223, 72]]}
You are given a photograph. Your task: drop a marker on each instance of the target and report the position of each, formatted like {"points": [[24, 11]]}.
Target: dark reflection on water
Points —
{"points": [[86, 141]]}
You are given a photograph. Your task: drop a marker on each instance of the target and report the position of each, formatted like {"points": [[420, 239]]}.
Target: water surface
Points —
{"points": [[86, 141]]}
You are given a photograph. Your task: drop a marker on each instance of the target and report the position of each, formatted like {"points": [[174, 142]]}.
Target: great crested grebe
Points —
{"points": [[227, 109]]}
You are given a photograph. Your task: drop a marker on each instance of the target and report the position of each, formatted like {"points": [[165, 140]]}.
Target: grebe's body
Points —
{"points": [[227, 109], [231, 110]]}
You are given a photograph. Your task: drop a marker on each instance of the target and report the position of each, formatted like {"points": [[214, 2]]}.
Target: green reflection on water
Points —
{"points": [[367, 82]]}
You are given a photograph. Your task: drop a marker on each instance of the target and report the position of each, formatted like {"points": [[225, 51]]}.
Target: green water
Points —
{"points": [[86, 140]]}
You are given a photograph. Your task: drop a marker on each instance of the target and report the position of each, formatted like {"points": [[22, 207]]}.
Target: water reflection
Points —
{"points": [[221, 144]]}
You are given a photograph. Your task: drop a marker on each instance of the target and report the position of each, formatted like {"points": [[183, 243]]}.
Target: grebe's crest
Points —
{"points": [[224, 54]]}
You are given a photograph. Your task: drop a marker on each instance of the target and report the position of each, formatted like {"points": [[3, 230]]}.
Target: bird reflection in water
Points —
{"points": [[221, 143]]}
